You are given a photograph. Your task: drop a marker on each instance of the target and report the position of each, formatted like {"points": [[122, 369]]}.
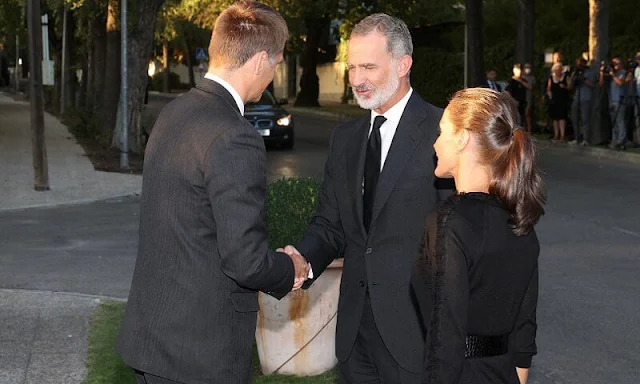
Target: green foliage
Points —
{"points": [[157, 82], [436, 74], [84, 125], [103, 365], [291, 204]]}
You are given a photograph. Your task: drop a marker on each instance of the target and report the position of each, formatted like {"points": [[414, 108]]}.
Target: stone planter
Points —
{"points": [[296, 335]]}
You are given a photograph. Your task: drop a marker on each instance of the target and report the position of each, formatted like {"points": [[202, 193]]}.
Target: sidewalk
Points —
{"points": [[44, 336], [72, 178]]}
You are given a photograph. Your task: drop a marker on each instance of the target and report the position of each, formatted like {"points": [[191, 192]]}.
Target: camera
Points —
{"points": [[606, 67], [578, 75]]}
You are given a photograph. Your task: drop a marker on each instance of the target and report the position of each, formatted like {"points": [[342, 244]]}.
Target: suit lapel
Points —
{"points": [[355, 168], [405, 141]]}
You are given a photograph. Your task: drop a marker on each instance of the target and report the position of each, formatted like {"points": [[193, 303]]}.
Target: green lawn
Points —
{"points": [[105, 367]]}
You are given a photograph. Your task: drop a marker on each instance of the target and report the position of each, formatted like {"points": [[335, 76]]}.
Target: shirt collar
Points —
{"points": [[394, 113], [228, 87]]}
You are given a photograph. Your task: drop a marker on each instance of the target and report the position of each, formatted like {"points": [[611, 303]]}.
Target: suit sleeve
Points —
{"points": [[324, 240], [523, 338], [234, 175], [446, 333]]}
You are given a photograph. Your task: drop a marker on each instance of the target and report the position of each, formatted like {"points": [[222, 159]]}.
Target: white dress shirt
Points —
{"points": [[388, 129], [228, 87]]}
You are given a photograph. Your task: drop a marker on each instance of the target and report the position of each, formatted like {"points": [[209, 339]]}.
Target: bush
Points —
{"points": [[157, 81], [437, 74], [291, 203]]}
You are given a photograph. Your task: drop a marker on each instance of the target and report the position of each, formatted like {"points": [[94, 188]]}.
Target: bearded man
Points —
{"points": [[378, 187]]}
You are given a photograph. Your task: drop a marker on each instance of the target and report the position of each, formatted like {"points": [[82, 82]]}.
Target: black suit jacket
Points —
{"points": [[486, 85], [203, 253], [380, 260]]}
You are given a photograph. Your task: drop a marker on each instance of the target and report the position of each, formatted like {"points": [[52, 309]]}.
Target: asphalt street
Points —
{"points": [[589, 266]]}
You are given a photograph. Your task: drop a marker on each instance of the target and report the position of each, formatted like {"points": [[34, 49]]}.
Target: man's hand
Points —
{"points": [[300, 265]]}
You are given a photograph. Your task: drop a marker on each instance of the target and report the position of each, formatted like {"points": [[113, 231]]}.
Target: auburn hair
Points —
{"points": [[506, 149]]}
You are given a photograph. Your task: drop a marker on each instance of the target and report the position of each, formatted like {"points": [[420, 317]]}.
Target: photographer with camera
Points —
{"points": [[616, 76], [581, 81], [636, 100]]}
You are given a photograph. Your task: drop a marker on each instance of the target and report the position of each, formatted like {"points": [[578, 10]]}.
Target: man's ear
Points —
{"points": [[404, 65], [261, 60]]}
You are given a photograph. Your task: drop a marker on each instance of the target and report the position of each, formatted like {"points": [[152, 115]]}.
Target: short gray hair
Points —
{"points": [[399, 41]]}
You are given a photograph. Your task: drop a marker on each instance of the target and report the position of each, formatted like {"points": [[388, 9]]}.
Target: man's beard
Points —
{"points": [[379, 96]]}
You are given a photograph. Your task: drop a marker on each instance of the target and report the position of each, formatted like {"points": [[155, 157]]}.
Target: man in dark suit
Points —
{"points": [[491, 81], [378, 187], [203, 253]]}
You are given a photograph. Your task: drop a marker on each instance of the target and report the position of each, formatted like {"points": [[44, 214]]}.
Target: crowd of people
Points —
{"points": [[568, 95]]}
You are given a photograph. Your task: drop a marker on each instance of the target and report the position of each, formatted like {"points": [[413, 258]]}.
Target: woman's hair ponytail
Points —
{"points": [[506, 149]]}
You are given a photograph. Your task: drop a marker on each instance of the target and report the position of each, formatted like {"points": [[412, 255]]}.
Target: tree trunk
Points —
{"points": [[292, 72], [526, 31], [166, 70], [99, 56], [309, 81], [88, 85], [475, 53], [112, 69], [39, 149], [599, 15], [187, 55], [139, 50]]}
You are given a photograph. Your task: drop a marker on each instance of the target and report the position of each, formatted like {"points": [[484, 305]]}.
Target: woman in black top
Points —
{"points": [[476, 277], [558, 93], [517, 88]]}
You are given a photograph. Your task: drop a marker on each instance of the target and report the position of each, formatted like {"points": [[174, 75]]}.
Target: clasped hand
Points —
{"points": [[300, 265]]}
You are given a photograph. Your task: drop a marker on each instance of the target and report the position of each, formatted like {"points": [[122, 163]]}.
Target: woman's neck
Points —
{"points": [[472, 178]]}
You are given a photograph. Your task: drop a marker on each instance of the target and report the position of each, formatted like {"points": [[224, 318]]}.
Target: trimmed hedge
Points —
{"points": [[291, 203]]}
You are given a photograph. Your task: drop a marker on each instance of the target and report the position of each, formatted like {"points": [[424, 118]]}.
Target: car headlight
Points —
{"points": [[284, 121]]}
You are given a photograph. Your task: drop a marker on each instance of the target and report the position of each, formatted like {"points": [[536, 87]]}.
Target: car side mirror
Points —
{"points": [[283, 102]]}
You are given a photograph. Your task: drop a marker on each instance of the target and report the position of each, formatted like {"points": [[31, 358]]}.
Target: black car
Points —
{"points": [[273, 122]]}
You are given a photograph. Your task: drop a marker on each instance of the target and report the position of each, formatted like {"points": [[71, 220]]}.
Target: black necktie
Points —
{"points": [[372, 169]]}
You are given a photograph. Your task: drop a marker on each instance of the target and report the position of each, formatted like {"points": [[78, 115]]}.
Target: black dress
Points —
{"points": [[559, 102], [475, 279]]}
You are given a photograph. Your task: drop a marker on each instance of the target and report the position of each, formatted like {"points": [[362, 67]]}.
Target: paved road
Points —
{"points": [[590, 263]]}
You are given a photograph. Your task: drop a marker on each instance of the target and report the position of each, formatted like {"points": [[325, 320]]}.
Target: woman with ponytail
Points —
{"points": [[476, 277]]}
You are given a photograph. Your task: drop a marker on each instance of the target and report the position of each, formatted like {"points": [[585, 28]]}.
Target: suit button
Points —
{"points": [[368, 251], [361, 283]]}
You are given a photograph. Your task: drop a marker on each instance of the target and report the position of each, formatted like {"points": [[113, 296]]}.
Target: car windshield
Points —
{"points": [[266, 99]]}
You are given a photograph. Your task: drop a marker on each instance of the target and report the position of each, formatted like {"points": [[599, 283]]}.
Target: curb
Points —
{"points": [[97, 298], [597, 152], [88, 200]]}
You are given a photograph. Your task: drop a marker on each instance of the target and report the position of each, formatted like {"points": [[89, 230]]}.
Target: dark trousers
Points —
{"points": [[146, 378], [370, 362]]}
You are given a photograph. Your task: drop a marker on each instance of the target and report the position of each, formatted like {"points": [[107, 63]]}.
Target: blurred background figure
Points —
{"points": [[581, 81], [558, 96], [615, 76], [529, 108], [517, 88], [491, 80]]}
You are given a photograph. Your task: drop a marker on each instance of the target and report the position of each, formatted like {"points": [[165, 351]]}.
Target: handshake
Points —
{"points": [[301, 266]]}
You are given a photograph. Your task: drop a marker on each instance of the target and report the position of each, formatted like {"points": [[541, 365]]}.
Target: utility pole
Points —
{"points": [[40, 167], [124, 151]]}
